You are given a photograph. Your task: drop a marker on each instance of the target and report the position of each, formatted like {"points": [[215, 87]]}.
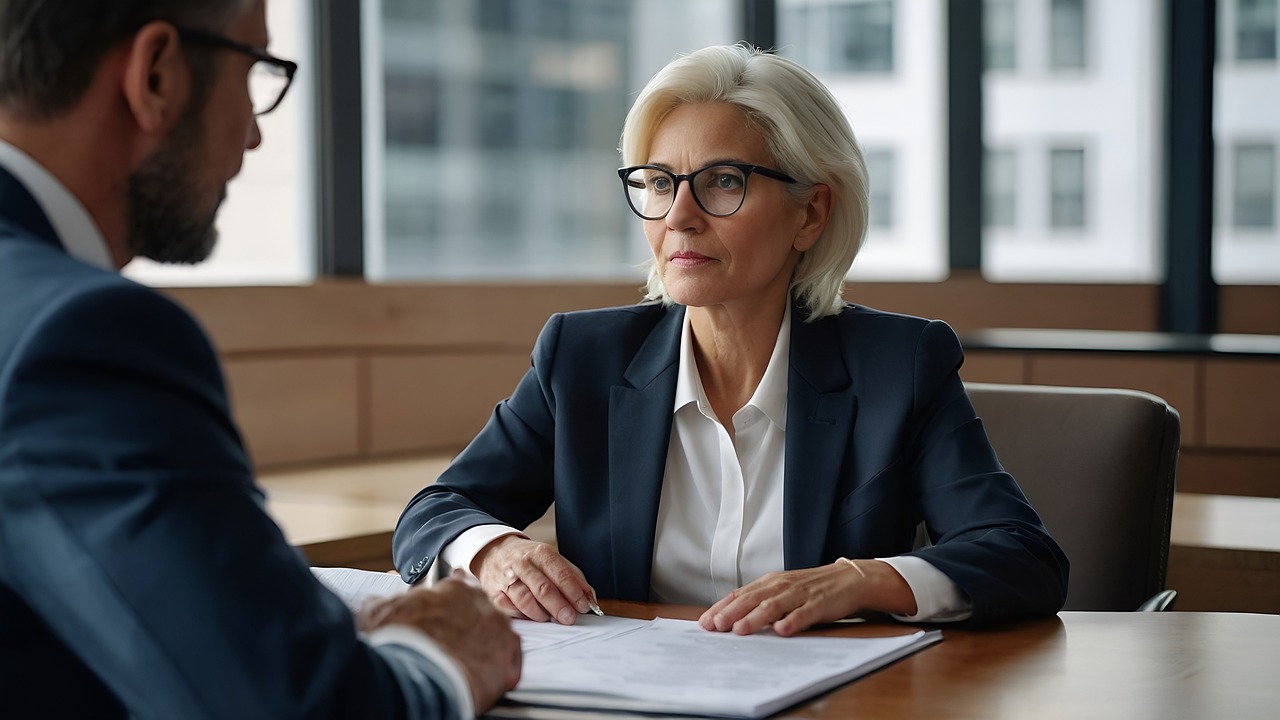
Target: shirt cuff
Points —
{"points": [[417, 641], [464, 548], [938, 599]]}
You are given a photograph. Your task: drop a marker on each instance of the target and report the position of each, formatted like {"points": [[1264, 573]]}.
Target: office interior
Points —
{"points": [[441, 180]]}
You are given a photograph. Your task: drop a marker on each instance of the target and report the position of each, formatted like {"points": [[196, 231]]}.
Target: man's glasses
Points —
{"points": [[718, 189], [269, 77]]}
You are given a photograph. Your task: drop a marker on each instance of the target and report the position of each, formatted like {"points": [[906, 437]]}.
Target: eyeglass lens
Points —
{"points": [[267, 84], [718, 190]]}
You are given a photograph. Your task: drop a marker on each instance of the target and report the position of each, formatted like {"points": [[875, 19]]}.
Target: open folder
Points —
{"points": [[669, 666]]}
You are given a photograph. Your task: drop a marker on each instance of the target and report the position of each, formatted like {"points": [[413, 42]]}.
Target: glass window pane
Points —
{"points": [[1254, 183], [999, 34], [266, 226], [1067, 188], [1255, 29], [863, 39], [492, 131], [880, 173], [1000, 185], [1085, 148], [899, 118], [1067, 34], [1246, 129]]}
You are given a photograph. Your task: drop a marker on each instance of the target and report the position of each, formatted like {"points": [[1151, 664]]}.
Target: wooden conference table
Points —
{"points": [[1076, 665]]}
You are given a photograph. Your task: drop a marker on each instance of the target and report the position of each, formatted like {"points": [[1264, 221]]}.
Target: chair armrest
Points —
{"points": [[1159, 602]]}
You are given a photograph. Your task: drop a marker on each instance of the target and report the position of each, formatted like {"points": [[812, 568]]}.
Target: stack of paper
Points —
{"points": [[665, 666]]}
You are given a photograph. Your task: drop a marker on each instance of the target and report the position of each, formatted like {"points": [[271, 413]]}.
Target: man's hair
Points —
{"points": [[49, 49], [806, 133]]}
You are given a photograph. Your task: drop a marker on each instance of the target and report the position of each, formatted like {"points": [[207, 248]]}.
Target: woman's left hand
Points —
{"points": [[794, 600]]}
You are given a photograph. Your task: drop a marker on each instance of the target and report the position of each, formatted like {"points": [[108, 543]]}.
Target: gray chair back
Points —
{"points": [[1098, 465]]}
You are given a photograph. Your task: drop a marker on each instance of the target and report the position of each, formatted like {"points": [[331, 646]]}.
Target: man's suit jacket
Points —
{"points": [[139, 573], [880, 436]]}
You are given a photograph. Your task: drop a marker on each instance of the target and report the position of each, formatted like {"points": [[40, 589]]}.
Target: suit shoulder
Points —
{"points": [[866, 319], [621, 321]]}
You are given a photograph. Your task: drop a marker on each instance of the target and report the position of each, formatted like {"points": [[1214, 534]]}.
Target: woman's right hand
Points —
{"points": [[531, 579]]}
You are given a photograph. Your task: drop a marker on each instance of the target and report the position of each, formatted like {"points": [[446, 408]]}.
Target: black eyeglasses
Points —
{"points": [[718, 189], [269, 77]]}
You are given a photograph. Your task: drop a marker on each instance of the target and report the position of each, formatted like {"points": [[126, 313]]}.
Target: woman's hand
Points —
{"points": [[530, 579], [794, 600]]}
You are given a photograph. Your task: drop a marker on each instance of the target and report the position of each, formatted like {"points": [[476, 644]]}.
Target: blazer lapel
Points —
{"points": [[640, 416], [821, 408]]}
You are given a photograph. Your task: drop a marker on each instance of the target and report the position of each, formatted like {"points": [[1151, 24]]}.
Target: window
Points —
{"points": [[899, 118], [266, 225], [1066, 188], [1073, 182], [492, 131], [1246, 129], [863, 36], [880, 173], [1067, 34], [1000, 185], [1255, 29], [1254, 186], [842, 36], [999, 34]]}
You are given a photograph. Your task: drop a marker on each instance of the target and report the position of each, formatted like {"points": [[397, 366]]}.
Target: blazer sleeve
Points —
{"points": [[504, 476], [986, 536], [144, 542]]}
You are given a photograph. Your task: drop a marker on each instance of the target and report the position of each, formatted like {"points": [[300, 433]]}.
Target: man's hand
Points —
{"points": [[532, 580], [462, 621]]}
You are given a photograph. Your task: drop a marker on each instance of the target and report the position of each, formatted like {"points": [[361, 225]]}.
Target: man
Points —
{"points": [[139, 575]]}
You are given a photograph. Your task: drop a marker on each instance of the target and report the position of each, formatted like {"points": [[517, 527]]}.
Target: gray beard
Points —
{"points": [[167, 224]]}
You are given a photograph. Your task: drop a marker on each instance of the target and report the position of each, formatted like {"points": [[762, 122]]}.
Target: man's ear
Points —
{"points": [[157, 77], [816, 212]]}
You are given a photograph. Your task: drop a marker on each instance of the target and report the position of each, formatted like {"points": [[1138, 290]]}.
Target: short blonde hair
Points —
{"points": [[806, 133]]}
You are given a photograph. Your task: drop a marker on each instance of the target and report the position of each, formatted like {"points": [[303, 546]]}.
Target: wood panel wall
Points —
{"points": [[344, 370]]}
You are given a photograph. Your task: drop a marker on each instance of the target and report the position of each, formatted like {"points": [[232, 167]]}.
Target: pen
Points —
{"points": [[594, 608]]}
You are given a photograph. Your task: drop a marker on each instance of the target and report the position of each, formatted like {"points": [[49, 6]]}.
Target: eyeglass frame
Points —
{"points": [[214, 40], [747, 170]]}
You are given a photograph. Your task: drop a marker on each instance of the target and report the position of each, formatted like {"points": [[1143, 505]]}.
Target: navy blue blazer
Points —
{"points": [[880, 437], [139, 573]]}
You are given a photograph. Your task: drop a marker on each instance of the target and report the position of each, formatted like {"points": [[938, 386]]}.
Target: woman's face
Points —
{"points": [[744, 259]]}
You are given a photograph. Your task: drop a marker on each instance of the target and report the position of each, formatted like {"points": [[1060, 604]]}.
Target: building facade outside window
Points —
{"points": [[1254, 186], [1000, 34], [894, 95], [1088, 181], [1000, 188], [1255, 30], [880, 171], [1067, 188], [1246, 129], [492, 131], [1068, 35]]}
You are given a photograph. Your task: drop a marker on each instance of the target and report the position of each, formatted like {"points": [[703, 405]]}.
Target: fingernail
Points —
{"points": [[566, 616]]}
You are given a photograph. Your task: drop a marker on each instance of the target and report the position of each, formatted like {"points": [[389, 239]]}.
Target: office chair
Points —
{"points": [[1099, 467]]}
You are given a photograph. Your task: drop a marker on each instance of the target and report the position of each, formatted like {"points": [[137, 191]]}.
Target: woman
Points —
{"points": [[744, 439]]}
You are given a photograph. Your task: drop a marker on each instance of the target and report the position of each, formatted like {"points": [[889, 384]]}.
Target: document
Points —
{"points": [[664, 666], [676, 667]]}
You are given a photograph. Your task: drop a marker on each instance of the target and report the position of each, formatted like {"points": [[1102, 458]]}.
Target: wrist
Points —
{"points": [[880, 587]]}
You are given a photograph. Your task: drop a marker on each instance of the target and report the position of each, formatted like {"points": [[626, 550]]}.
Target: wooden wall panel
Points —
{"points": [[1242, 403], [335, 314], [994, 367], [1173, 379], [300, 409], [437, 402], [1229, 472]]}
